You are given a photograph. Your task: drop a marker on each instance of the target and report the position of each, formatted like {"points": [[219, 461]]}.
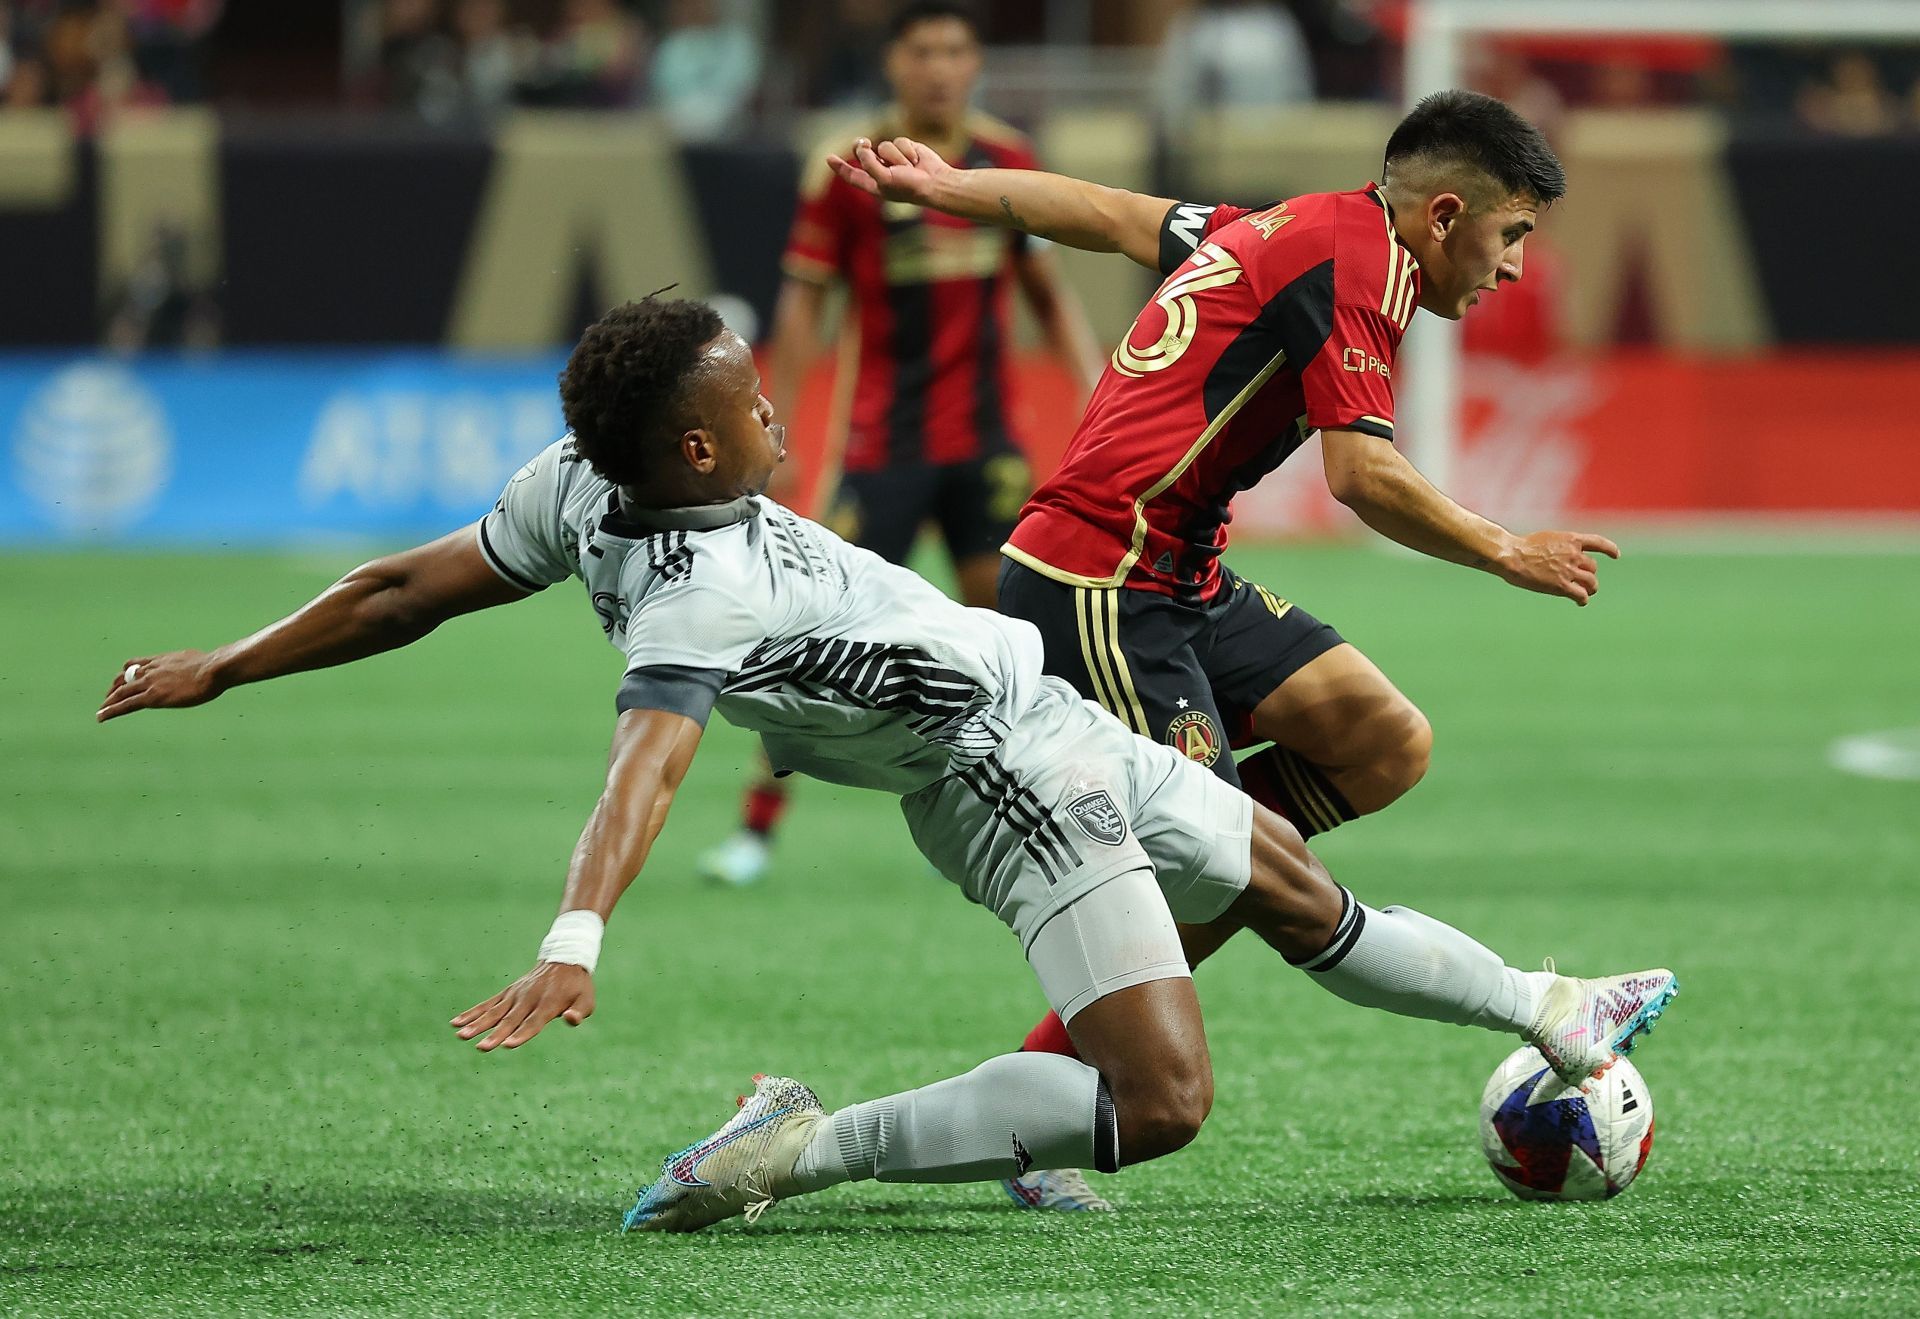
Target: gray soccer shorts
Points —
{"points": [[1089, 842]]}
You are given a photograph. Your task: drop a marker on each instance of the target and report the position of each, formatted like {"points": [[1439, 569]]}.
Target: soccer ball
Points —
{"points": [[1546, 1140]]}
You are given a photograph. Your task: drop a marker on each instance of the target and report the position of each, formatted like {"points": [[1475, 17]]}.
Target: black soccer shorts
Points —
{"points": [[1181, 672], [975, 503]]}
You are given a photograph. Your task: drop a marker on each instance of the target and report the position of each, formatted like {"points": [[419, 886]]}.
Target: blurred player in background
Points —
{"points": [[921, 429], [1272, 324]]}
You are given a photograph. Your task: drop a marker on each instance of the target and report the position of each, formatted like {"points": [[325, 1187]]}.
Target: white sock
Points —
{"points": [[1403, 962], [1008, 1115]]}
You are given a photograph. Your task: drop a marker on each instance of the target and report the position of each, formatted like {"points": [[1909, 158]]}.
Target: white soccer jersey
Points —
{"points": [[852, 669]]}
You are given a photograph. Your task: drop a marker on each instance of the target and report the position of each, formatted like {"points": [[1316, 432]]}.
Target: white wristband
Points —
{"points": [[574, 938]]}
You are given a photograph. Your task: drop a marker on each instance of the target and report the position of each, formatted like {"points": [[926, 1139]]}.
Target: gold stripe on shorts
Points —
{"points": [[1097, 612]]}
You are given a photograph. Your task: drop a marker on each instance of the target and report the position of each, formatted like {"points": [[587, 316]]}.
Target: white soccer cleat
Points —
{"points": [[738, 1170], [1063, 1189], [1581, 1026], [738, 862]]}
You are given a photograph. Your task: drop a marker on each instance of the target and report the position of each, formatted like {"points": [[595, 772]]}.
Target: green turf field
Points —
{"points": [[233, 936]]}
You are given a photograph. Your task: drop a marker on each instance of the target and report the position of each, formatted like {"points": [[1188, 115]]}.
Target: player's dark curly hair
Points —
{"points": [[626, 389], [923, 11], [1466, 128]]}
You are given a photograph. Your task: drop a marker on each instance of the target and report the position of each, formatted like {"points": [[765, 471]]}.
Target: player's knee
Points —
{"points": [[1407, 750], [1164, 1110]]}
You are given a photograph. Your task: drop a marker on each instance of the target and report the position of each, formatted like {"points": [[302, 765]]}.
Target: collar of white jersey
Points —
{"points": [[623, 517]]}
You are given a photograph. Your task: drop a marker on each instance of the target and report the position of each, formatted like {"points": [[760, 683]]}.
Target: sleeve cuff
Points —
{"points": [[499, 565], [1379, 427], [675, 688]]}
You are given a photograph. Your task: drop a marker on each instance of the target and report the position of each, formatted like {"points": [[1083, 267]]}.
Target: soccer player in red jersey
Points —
{"points": [[1273, 323], [922, 430]]}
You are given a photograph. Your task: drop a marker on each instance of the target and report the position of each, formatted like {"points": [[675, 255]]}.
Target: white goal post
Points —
{"points": [[1438, 35]]}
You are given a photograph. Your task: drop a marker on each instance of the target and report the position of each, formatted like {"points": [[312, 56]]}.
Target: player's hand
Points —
{"points": [[1558, 563], [519, 1012], [901, 170], [161, 682]]}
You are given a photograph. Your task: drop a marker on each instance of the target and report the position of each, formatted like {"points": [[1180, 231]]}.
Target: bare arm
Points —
{"points": [[1370, 476], [379, 606], [651, 752], [1062, 319], [1052, 206]]}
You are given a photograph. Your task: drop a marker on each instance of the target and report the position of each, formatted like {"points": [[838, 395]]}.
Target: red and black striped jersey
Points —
{"points": [[928, 302], [1271, 324]]}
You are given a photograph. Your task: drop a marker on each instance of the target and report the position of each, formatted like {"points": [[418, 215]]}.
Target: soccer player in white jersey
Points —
{"points": [[1087, 840]]}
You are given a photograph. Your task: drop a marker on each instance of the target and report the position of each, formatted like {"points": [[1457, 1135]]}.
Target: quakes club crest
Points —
{"points": [[1195, 736], [1098, 818]]}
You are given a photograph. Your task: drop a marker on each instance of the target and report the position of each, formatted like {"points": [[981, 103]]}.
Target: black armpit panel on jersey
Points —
{"points": [[675, 688]]}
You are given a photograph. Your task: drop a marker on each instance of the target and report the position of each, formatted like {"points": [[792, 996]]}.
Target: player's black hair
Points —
{"points": [[1466, 128], [627, 385], [922, 11]]}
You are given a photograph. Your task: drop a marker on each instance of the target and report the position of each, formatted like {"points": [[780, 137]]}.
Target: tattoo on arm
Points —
{"points": [[1014, 217]]}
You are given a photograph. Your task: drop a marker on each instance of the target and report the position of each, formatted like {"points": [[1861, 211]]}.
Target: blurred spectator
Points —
{"points": [[23, 75], [89, 65], [1349, 48], [416, 62], [1233, 53], [489, 57], [1851, 98], [169, 38], [705, 71], [854, 52], [595, 59]]}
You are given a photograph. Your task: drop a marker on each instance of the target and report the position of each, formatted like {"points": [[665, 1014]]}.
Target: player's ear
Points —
{"points": [[698, 448], [1444, 210]]}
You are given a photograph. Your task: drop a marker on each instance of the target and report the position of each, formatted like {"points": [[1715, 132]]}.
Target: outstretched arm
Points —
{"points": [[1375, 480], [1053, 206], [378, 606], [651, 752]]}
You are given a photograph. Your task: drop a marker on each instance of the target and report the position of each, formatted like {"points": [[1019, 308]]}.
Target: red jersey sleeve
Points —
{"points": [[1349, 383], [1187, 225], [819, 243]]}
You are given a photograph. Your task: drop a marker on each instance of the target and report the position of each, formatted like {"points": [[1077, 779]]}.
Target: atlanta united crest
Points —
{"points": [[1195, 736], [1098, 818]]}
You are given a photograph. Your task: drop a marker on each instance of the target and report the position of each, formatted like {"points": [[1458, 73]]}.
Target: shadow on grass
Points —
{"points": [[79, 1227], [64, 1211], [69, 1227]]}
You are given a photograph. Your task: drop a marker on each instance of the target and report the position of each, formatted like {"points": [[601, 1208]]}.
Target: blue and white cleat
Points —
{"points": [[1581, 1026], [1062, 1189], [737, 1171]]}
